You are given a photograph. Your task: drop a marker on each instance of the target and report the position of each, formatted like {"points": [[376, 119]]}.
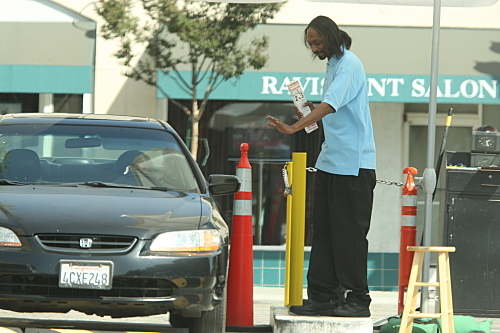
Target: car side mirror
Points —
{"points": [[223, 184]]}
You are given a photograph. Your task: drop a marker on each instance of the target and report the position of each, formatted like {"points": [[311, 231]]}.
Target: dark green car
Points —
{"points": [[109, 215]]}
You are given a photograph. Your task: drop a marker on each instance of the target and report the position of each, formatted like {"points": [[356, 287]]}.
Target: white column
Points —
{"points": [[162, 108], [46, 103], [87, 103]]}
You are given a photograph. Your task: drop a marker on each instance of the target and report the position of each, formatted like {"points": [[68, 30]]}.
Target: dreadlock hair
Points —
{"points": [[336, 40]]}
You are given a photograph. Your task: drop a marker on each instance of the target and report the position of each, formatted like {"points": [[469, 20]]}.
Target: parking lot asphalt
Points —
{"points": [[384, 305]]}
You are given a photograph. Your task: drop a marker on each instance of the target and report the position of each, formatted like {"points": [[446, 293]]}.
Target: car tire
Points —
{"points": [[178, 321], [213, 321]]}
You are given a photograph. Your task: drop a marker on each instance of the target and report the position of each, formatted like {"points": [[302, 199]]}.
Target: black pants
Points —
{"points": [[341, 220]]}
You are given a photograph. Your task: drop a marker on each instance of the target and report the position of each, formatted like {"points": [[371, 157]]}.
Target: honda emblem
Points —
{"points": [[86, 243]]}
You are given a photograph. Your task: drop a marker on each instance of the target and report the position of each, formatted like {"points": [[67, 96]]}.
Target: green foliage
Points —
{"points": [[118, 21], [203, 35]]}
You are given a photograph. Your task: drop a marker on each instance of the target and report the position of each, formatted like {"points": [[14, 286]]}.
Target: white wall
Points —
{"points": [[386, 219], [114, 93], [34, 11], [302, 11]]}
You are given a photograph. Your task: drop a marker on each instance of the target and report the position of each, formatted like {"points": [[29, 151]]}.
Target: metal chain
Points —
{"points": [[288, 188], [388, 182]]}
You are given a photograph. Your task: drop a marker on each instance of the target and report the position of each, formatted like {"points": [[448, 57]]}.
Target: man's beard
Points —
{"points": [[321, 55]]}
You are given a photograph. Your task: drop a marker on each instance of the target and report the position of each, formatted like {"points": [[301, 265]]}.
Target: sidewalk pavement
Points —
{"points": [[384, 304]]}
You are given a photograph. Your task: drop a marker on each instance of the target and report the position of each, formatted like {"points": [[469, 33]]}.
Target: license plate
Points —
{"points": [[85, 274]]}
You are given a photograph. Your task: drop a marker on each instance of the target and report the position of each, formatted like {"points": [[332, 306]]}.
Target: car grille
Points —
{"points": [[48, 286], [94, 244]]}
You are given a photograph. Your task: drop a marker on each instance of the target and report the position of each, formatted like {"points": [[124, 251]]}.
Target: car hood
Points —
{"points": [[30, 210]]}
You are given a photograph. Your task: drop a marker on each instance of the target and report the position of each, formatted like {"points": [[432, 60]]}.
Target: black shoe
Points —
{"points": [[352, 309], [313, 308]]}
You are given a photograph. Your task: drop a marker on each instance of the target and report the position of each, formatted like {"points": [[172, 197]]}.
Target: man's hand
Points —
{"points": [[315, 115], [300, 114], [281, 127]]}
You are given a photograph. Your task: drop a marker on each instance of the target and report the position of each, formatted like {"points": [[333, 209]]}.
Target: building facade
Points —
{"points": [[52, 59]]}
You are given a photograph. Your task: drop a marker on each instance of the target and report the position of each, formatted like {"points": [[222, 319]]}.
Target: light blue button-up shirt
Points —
{"points": [[349, 144]]}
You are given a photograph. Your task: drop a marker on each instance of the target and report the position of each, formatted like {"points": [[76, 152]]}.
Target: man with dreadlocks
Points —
{"points": [[344, 184]]}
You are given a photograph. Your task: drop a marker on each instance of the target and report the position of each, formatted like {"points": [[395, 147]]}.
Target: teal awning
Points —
{"points": [[46, 79]]}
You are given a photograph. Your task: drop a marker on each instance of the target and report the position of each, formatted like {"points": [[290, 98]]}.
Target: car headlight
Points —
{"points": [[8, 238], [187, 242]]}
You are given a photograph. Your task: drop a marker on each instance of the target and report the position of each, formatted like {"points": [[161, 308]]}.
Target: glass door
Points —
{"points": [[459, 138]]}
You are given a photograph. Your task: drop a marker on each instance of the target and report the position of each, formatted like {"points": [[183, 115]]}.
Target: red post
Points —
{"points": [[240, 275], [408, 232]]}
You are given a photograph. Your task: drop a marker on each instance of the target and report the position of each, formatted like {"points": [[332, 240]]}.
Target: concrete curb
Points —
{"points": [[283, 322]]}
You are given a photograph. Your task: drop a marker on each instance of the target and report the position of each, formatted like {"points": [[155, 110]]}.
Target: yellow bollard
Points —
{"points": [[297, 229]]}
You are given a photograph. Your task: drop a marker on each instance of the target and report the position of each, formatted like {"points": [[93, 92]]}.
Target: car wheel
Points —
{"points": [[213, 321], [210, 321], [176, 320]]}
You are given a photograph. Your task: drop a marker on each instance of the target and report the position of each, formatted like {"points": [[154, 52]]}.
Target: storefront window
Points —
{"points": [[458, 138], [29, 103], [491, 115], [68, 103], [230, 123], [268, 151], [17, 103]]}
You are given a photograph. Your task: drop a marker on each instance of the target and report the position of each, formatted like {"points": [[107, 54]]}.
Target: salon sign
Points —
{"points": [[260, 86]]}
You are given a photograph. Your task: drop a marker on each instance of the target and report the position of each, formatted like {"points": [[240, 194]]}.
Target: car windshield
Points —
{"points": [[104, 155]]}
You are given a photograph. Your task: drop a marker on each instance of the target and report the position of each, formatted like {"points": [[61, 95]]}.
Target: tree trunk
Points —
{"points": [[195, 129]]}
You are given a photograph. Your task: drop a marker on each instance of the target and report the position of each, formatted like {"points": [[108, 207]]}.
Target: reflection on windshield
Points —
{"points": [[61, 154]]}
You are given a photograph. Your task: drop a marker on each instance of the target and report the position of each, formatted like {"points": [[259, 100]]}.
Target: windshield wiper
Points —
{"points": [[11, 182], [114, 185]]}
